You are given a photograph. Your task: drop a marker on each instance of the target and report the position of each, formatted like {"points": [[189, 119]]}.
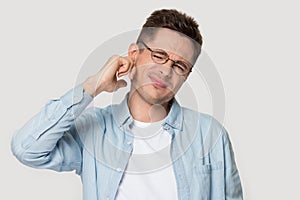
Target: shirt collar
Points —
{"points": [[122, 114], [175, 116]]}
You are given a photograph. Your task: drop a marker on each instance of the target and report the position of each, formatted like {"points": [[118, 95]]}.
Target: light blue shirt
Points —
{"points": [[97, 144]]}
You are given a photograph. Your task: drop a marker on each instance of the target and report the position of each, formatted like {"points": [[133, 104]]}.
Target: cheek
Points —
{"points": [[178, 84], [138, 76], [137, 73], [140, 71]]}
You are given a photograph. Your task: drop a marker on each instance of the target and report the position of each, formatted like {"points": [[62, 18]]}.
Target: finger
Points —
{"points": [[125, 66], [112, 62], [124, 61]]}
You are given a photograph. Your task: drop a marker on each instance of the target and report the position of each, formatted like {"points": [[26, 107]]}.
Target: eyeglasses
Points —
{"points": [[159, 56]]}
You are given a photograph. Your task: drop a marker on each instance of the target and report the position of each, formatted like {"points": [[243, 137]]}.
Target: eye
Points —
{"points": [[181, 66], [159, 55]]}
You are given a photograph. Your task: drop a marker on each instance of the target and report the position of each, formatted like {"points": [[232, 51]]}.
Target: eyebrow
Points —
{"points": [[183, 61], [187, 63]]}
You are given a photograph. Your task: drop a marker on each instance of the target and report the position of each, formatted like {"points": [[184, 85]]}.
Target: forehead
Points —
{"points": [[173, 42]]}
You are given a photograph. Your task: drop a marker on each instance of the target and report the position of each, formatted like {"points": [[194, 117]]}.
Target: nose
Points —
{"points": [[167, 68]]}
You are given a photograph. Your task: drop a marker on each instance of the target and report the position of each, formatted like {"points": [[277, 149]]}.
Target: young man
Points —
{"points": [[147, 147]]}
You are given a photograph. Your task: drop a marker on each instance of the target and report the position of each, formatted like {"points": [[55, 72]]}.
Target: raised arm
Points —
{"points": [[49, 139]]}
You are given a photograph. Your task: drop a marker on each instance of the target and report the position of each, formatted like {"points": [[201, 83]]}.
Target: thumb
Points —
{"points": [[120, 84]]}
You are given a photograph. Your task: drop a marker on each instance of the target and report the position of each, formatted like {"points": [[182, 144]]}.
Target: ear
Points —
{"points": [[133, 51]]}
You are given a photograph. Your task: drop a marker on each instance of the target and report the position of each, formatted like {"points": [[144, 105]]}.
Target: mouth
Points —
{"points": [[158, 83]]}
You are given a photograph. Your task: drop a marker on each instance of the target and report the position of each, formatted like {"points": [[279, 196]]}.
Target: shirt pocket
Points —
{"points": [[208, 181]]}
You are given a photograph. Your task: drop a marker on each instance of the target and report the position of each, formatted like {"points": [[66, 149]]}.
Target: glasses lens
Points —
{"points": [[159, 56], [181, 68]]}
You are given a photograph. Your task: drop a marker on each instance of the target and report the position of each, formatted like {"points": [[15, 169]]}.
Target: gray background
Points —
{"points": [[253, 44]]}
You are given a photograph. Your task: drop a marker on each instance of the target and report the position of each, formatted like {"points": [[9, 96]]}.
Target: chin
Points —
{"points": [[155, 96]]}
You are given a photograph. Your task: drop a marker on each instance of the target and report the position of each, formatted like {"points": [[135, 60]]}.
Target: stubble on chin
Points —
{"points": [[153, 96]]}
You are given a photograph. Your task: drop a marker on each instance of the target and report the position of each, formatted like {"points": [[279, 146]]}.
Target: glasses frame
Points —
{"points": [[166, 59]]}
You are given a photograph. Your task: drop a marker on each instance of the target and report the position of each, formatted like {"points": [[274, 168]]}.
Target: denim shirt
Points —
{"points": [[97, 144]]}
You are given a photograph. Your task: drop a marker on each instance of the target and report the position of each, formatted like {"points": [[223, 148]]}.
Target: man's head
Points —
{"points": [[156, 78], [176, 21]]}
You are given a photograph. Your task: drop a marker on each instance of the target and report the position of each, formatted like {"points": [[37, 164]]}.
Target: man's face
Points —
{"points": [[158, 83]]}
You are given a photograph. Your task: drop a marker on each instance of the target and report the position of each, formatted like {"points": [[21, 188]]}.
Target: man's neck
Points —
{"points": [[144, 111]]}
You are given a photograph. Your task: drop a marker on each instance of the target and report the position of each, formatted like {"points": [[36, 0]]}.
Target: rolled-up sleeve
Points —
{"points": [[49, 139]]}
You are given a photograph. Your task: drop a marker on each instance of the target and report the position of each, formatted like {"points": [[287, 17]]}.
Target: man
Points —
{"points": [[147, 147]]}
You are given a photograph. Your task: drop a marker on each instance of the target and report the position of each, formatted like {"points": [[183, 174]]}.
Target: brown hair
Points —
{"points": [[174, 20]]}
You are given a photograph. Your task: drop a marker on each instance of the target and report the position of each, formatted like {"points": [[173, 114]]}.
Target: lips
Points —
{"points": [[158, 82]]}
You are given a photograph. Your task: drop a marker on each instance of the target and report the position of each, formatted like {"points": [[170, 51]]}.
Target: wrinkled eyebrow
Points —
{"points": [[166, 53], [179, 60]]}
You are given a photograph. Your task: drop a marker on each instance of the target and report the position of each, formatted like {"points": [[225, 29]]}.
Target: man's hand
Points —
{"points": [[106, 78]]}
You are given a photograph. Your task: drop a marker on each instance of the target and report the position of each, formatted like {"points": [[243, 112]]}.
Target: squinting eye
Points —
{"points": [[159, 55], [180, 67]]}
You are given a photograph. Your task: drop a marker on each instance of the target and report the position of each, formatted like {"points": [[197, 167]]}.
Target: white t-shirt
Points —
{"points": [[149, 174]]}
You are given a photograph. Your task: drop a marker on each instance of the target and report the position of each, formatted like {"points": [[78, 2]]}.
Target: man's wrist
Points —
{"points": [[87, 88], [90, 87]]}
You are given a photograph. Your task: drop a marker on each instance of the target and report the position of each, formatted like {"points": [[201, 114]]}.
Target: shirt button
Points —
{"points": [[129, 142]]}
